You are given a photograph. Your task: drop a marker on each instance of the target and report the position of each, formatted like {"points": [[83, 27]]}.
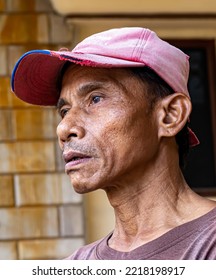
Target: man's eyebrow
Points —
{"points": [[88, 87], [61, 102]]}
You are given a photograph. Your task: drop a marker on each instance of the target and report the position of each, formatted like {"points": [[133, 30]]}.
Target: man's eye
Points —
{"points": [[96, 99], [63, 112]]}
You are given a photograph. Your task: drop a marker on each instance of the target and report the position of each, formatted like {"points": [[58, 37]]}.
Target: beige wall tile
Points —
{"points": [[23, 28], [28, 222], [35, 123], [42, 5], [5, 125], [69, 195], [6, 191], [49, 248], [3, 60], [27, 156], [2, 5], [59, 159], [42, 27], [5, 95], [8, 251], [14, 53], [44, 189], [20, 5], [71, 220], [60, 32], [7, 98], [28, 6]]}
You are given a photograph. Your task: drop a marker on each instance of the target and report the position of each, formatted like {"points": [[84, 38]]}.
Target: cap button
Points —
{"points": [[63, 50]]}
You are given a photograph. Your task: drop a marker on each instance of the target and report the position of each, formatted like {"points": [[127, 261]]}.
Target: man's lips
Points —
{"points": [[73, 158]]}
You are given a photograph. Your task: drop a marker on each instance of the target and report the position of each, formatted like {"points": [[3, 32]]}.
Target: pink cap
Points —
{"points": [[36, 74]]}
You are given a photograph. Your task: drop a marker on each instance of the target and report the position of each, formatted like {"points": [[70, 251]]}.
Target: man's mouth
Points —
{"points": [[72, 159]]}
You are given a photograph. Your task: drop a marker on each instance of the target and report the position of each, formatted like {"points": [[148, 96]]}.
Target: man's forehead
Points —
{"points": [[86, 79], [97, 73]]}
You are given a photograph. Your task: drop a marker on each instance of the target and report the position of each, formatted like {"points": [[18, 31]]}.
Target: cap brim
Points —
{"points": [[36, 75]]}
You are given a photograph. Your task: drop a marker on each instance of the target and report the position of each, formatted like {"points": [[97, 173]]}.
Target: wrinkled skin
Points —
{"points": [[107, 117]]}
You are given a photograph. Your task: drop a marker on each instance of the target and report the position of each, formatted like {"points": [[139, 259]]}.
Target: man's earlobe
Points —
{"points": [[173, 113]]}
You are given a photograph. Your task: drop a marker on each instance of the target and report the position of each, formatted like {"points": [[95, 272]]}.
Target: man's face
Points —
{"points": [[108, 133]]}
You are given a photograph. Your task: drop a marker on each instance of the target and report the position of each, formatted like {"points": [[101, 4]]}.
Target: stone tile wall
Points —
{"points": [[41, 217]]}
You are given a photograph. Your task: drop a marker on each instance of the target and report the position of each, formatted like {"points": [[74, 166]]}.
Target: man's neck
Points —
{"points": [[151, 206]]}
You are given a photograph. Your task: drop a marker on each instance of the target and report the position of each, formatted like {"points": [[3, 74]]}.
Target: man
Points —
{"points": [[123, 99]]}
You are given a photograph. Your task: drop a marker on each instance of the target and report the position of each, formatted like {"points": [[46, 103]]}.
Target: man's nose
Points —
{"points": [[70, 127]]}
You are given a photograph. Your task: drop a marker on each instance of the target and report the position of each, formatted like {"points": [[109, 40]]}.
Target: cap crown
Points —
{"points": [[136, 46]]}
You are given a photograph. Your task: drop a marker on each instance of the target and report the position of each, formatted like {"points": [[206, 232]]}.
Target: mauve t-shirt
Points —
{"points": [[195, 240]]}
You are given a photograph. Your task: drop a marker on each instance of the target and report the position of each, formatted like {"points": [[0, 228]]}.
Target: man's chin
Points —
{"points": [[82, 187]]}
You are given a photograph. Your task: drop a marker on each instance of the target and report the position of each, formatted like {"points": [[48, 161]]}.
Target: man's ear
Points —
{"points": [[173, 113]]}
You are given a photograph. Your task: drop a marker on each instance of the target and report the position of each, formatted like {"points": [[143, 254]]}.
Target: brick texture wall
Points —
{"points": [[41, 217]]}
